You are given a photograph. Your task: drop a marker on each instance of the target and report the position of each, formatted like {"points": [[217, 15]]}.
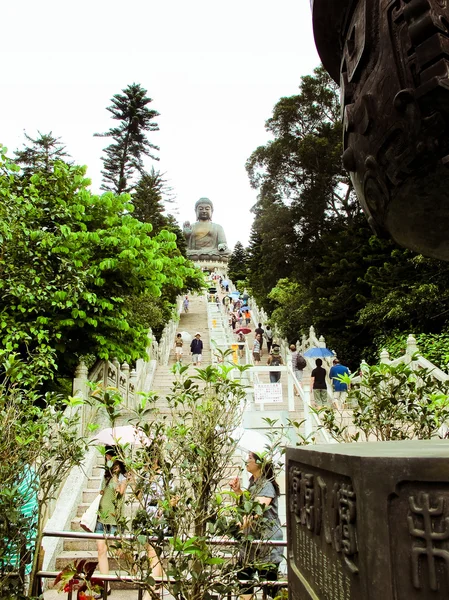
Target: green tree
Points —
{"points": [[70, 260], [272, 247], [237, 267], [195, 440], [124, 156], [41, 154], [39, 445], [392, 402], [312, 259], [148, 200]]}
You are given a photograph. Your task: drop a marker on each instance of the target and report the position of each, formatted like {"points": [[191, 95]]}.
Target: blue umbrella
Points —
{"points": [[318, 353]]}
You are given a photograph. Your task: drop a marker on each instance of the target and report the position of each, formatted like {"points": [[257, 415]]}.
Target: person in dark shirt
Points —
{"points": [[318, 382], [196, 348], [260, 331]]}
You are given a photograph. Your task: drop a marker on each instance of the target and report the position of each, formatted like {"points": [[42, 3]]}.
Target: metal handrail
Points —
{"points": [[158, 580]]}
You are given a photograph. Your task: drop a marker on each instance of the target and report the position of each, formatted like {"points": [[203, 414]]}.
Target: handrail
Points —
{"points": [[215, 541]]}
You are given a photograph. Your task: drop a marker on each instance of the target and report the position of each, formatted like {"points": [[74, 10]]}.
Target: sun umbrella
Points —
{"points": [[235, 294], [244, 330], [250, 440], [186, 337], [318, 353], [125, 434]]}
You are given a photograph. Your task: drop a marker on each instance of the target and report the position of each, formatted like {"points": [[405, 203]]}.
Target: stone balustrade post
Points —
{"points": [[80, 390], [412, 346], [384, 357], [321, 342], [125, 375], [303, 342], [132, 388], [308, 425], [116, 365]]}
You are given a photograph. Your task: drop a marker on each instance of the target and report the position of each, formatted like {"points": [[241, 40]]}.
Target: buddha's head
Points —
{"points": [[204, 209]]}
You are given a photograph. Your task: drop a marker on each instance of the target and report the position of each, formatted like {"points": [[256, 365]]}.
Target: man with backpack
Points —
{"points": [[275, 360], [298, 363]]}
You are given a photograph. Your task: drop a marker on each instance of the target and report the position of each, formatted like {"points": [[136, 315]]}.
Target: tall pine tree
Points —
{"points": [[237, 265], [124, 155], [41, 154]]}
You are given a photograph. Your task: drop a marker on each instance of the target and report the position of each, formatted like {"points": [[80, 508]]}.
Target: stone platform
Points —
{"points": [[369, 521]]}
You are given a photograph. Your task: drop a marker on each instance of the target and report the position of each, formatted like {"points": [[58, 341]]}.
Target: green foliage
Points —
{"points": [[237, 265], [39, 445], [147, 200], [433, 346], [393, 402], [190, 456], [124, 156], [44, 151], [312, 258], [69, 262]]}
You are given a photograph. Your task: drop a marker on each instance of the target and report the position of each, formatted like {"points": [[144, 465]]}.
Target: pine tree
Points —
{"points": [[147, 200], [41, 155], [237, 265], [124, 156]]}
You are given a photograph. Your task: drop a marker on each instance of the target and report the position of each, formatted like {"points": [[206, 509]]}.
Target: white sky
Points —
{"points": [[214, 72]]}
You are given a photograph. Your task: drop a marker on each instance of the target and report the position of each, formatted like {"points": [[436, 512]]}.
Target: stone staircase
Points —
{"points": [[191, 322]]}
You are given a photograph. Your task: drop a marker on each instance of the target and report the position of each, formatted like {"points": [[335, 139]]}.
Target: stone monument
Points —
{"points": [[206, 241], [391, 59], [368, 521]]}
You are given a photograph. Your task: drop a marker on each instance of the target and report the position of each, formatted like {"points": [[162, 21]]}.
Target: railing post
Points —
{"points": [[384, 357], [116, 365], [412, 346], [125, 372], [79, 387], [290, 390], [80, 390], [308, 427], [132, 388]]}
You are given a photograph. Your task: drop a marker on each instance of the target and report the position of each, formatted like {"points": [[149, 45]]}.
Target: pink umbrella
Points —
{"points": [[125, 434], [243, 330]]}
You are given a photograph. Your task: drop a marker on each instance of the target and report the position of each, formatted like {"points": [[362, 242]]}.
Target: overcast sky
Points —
{"points": [[214, 72]]}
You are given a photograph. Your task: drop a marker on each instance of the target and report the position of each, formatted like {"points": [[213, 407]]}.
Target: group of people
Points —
{"points": [[196, 348], [298, 364], [319, 384], [150, 488], [262, 335]]}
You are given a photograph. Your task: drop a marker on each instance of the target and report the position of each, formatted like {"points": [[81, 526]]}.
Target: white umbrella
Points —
{"points": [[186, 337], [125, 434], [251, 440]]}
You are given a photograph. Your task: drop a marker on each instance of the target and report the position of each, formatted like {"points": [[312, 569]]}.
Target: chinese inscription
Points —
{"points": [[429, 525], [326, 517]]}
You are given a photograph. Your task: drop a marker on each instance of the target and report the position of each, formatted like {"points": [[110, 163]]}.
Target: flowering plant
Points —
{"points": [[77, 577]]}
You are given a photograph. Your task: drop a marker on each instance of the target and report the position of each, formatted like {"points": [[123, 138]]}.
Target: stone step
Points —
{"points": [[94, 482]]}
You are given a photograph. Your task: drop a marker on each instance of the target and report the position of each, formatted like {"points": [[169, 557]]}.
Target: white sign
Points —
{"points": [[267, 392]]}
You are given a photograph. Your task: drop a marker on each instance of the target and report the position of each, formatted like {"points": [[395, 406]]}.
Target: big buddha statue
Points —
{"points": [[205, 240]]}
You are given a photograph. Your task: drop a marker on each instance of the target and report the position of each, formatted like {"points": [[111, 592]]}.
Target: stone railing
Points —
{"points": [[161, 350], [129, 382], [312, 424], [411, 357]]}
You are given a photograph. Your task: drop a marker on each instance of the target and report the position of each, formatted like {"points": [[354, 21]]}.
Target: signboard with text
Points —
{"points": [[267, 392]]}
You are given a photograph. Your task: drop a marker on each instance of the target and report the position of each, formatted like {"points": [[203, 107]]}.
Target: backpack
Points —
{"points": [[301, 363]]}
